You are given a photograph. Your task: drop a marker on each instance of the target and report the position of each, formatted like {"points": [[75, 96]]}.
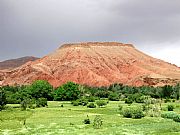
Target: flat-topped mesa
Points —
{"points": [[93, 44]]}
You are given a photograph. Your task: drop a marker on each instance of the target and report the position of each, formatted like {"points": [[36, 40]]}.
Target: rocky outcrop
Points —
{"points": [[96, 64]]}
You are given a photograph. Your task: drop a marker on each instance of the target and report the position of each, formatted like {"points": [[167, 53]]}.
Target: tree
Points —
{"points": [[115, 87], [40, 89], [167, 91], [2, 99], [176, 90], [69, 91]]}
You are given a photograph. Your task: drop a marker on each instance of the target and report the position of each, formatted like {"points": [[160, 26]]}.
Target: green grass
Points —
{"points": [[68, 120]]}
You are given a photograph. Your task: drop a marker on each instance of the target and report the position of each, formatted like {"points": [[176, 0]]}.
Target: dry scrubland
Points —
{"points": [[68, 120]]}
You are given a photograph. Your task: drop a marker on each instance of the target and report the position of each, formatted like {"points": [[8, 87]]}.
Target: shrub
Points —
{"points": [[91, 105], [97, 122], [91, 99], [26, 103], [128, 101], [127, 113], [170, 107], [113, 96], [138, 98], [171, 115], [120, 107], [82, 101], [177, 118], [101, 103], [153, 101], [23, 105], [145, 107], [173, 100], [168, 115], [167, 100], [75, 103], [41, 102], [87, 120], [155, 111], [137, 113]]}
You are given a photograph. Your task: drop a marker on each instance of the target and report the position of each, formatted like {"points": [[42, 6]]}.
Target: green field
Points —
{"points": [[68, 120]]}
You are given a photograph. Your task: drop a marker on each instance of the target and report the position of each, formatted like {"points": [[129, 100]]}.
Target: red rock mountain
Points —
{"points": [[96, 64], [14, 63]]}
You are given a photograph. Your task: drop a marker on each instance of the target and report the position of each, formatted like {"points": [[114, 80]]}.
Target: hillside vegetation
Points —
{"points": [[76, 109]]}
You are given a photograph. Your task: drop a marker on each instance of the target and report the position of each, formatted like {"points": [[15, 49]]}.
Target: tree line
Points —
{"points": [[40, 91]]}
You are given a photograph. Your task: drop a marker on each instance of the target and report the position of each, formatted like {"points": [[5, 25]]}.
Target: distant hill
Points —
{"points": [[14, 63], [96, 64]]}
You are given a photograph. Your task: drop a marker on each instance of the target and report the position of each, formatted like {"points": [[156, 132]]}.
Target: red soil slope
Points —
{"points": [[96, 64]]}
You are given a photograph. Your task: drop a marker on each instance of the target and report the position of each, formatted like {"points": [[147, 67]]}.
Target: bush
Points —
{"points": [[137, 113], [173, 100], [177, 118], [167, 100], [153, 101], [87, 120], [155, 111], [23, 105], [113, 96], [128, 101], [82, 101], [168, 115], [91, 105], [127, 113], [75, 103], [171, 115], [97, 122], [145, 107], [91, 99], [41, 102], [170, 107], [101, 103], [138, 98], [26, 103], [120, 107]]}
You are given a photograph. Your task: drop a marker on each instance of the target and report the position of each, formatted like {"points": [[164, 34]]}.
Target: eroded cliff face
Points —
{"points": [[96, 64]]}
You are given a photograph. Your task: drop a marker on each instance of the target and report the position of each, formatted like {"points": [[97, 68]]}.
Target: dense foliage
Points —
{"points": [[81, 94], [40, 89], [171, 115], [69, 91], [2, 99]]}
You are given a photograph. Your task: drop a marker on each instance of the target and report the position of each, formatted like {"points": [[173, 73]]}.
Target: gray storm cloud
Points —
{"points": [[37, 27]]}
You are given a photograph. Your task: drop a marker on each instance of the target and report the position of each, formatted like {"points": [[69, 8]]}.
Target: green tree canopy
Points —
{"points": [[68, 91], [40, 88]]}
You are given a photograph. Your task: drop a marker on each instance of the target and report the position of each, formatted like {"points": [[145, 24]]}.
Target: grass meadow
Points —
{"points": [[68, 120]]}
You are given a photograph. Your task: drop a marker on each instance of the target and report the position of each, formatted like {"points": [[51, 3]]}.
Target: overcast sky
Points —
{"points": [[37, 27]]}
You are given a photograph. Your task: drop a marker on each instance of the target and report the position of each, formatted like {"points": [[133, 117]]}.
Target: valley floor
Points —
{"points": [[68, 120]]}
